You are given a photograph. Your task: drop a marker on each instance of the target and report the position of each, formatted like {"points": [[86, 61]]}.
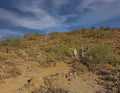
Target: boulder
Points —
{"points": [[36, 82]]}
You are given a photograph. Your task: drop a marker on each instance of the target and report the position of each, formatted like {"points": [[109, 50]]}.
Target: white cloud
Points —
{"points": [[41, 19], [99, 10], [7, 15], [44, 23], [59, 3], [5, 32], [30, 6]]}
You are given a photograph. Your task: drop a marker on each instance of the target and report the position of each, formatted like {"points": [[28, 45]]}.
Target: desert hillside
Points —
{"points": [[80, 61]]}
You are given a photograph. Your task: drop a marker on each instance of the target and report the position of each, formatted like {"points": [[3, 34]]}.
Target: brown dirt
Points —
{"points": [[86, 83]]}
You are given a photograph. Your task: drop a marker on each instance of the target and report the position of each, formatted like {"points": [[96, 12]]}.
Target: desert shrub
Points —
{"points": [[32, 36], [8, 70], [99, 34], [2, 56], [14, 42], [108, 35], [93, 33], [61, 49], [93, 28], [55, 35], [51, 90], [104, 28], [88, 34], [36, 34], [76, 32], [100, 53], [51, 60], [21, 53], [78, 67], [118, 60], [110, 77], [25, 44]]}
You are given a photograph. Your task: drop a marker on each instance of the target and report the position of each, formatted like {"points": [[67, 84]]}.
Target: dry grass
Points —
{"points": [[51, 90], [53, 48], [8, 70]]}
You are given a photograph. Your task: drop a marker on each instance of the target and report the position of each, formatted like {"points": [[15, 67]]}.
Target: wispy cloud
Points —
{"points": [[41, 19], [58, 3], [52, 14], [99, 10], [7, 15], [7, 33]]}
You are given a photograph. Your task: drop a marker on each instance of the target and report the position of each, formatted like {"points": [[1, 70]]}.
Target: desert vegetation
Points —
{"points": [[62, 57]]}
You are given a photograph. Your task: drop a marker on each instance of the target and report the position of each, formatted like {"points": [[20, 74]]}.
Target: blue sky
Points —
{"points": [[18, 17]]}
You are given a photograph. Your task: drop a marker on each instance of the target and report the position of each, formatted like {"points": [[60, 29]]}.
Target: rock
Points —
{"points": [[36, 82]]}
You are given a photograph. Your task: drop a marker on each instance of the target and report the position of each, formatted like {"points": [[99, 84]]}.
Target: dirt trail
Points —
{"points": [[12, 84], [83, 84]]}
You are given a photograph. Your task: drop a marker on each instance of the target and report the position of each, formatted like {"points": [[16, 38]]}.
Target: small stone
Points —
{"points": [[37, 82]]}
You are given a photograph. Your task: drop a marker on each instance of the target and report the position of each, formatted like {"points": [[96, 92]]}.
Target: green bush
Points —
{"points": [[54, 35], [37, 34], [104, 28], [2, 56], [93, 33], [14, 42], [32, 36], [17, 42], [100, 53], [61, 49], [51, 60]]}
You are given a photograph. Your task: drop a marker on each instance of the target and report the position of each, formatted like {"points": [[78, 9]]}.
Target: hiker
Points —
{"points": [[75, 52], [7, 50], [83, 51], [80, 53], [86, 49]]}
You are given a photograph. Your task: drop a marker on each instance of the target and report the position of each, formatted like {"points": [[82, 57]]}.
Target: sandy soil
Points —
{"points": [[85, 83]]}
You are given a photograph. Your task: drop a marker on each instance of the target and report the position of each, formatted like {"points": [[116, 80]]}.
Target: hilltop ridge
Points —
{"points": [[42, 63]]}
